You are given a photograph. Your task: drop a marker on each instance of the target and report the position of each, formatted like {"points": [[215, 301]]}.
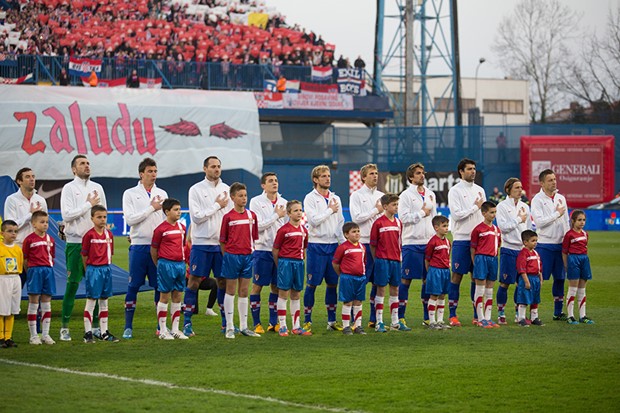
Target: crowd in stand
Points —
{"points": [[207, 31]]}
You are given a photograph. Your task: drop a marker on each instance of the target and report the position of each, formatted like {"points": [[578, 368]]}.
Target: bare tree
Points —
{"points": [[531, 44], [594, 75]]}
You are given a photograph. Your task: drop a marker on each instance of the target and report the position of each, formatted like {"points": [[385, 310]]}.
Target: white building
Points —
{"points": [[501, 101]]}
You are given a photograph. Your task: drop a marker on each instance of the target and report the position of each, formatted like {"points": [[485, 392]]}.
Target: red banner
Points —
{"points": [[319, 87], [583, 166]]}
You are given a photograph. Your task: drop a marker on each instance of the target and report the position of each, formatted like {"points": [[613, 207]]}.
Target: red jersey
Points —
{"points": [[575, 242], [528, 262], [352, 258], [98, 248], [385, 236], [486, 239], [39, 251], [437, 252], [291, 241], [239, 231], [169, 240]]}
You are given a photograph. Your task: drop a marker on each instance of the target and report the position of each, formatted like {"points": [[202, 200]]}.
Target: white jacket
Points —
{"points": [[550, 226], [205, 213], [510, 224], [363, 210], [74, 208], [268, 221], [417, 227], [324, 225], [464, 214], [140, 215], [17, 208]]}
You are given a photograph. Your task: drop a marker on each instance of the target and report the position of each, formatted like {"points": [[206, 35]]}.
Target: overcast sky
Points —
{"points": [[350, 25]]}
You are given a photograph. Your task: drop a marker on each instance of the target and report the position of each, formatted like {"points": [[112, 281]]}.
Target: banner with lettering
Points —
{"points": [[583, 166], [45, 127], [351, 81]]}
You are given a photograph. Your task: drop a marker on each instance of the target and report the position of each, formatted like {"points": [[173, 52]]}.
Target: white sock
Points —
{"points": [[175, 311], [88, 314], [394, 309], [478, 301], [581, 299], [570, 301], [357, 314], [521, 311], [103, 315], [46, 318], [379, 308], [229, 310], [432, 308], [441, 305], [488, 303], [282, 311], [242, 307], [533, 313], [346, 316], [295, 313], [32, 318], [162, 316]]}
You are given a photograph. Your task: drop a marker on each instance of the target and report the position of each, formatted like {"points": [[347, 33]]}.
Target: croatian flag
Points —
{"points": [[150, 83], [320, 73], [84, 67], [16, 80]]}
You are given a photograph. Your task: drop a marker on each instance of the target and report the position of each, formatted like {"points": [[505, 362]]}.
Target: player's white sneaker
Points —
{"points": [[249, 333], [64, 334], [211, 313], [35, 340], [165, 335], [48, 340], [230, 333], [179, 335]]}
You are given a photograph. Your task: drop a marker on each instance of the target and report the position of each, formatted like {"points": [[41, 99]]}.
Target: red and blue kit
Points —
{"points": [[239, 231], [169, 240], [39, 251], [486, 239], [98, 248], [385, 235], [528, 262], [352, 258], [438, 252], [291, 241], [575, 243]]}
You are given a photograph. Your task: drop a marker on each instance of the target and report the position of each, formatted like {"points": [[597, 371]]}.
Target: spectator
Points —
{"points": [[341, 64], [281, 84], [93, 81], [133, 81], [359, 63], [502, 144], [63, 78], [497, 196]]}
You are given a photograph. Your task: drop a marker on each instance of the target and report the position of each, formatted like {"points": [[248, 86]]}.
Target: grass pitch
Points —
{"points": [[552, 368]]}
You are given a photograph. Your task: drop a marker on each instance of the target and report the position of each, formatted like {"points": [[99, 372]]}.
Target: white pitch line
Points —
{"points": [[176, 386]]}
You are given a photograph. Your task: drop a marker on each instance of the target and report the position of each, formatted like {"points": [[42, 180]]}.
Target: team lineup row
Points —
{"points": [[266, 244]]}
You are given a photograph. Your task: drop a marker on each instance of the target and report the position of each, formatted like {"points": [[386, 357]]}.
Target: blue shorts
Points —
{"points": [[437, 281], [508, 265], [141, 265], [290, 274], [205, 258], [551, 260], [319, 264], [237, 266], [170, 275], [98, 281], [387, 272], [461, 257], [485, 268], [41, 280], [578, 267], [413, 262], [265, 270], [370, 265], [352, 287], [531, 296]]}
